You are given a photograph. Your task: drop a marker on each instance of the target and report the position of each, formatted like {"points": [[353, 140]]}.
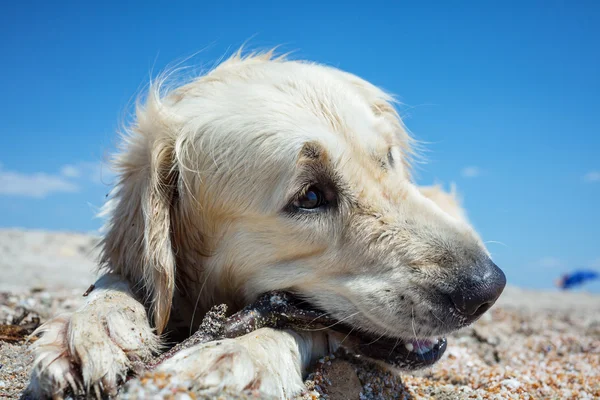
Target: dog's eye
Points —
{"points": [[311, 199]]}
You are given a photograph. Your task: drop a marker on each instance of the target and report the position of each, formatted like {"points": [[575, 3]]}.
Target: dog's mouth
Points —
{"points": [[283, 309], [407, 354], [402, 353]]}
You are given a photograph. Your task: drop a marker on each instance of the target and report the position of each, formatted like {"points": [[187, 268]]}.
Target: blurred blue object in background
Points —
{"points": [[576, 278]]}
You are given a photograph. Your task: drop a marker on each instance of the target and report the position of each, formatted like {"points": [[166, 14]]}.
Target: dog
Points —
{"points": [[268, 174]]}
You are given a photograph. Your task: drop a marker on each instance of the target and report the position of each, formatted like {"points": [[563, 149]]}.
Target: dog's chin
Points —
{"points": [[402, 353]]}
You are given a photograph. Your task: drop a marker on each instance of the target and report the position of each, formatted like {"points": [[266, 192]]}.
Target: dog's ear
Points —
{"points": [[382, 105], [161, 196], [138, 243], [448, 201]]}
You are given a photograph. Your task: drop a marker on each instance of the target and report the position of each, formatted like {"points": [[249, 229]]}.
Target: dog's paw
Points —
{"points": [[265, 363], [213, 369], [53, 371], [91, 351]]}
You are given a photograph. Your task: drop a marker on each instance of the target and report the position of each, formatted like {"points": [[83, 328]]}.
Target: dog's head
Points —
{"points": [[271, 174]]}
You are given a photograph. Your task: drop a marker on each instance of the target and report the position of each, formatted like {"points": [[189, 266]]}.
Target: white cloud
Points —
{"points": [[98, 173], [550, 262], [70, 171], [37, 185], [41, 184], [592, 176], [471, 172]]}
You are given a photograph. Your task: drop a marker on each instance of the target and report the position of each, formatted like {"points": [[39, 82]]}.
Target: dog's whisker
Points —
{"points": [[436, 317], [334, 324], [414, 330], [444, 324], [347, 335], [318, 316], [376, 340], [394, 347], [380, 336]]}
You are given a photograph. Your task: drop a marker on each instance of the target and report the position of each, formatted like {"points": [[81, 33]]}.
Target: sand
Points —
{"points": [[532, 344]]}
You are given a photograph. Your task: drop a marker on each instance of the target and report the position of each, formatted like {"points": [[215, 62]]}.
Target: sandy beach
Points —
{"points": [[532, 344]]}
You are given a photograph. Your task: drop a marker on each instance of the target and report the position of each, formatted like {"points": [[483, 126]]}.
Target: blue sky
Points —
{"points": [[506, 94]]}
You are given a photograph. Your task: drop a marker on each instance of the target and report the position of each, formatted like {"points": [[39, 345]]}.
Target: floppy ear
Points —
{"points": [[138, 243], [159, 249]]}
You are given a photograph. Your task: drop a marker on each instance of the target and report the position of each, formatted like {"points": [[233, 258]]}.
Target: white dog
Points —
{"points": [[268, 174]]}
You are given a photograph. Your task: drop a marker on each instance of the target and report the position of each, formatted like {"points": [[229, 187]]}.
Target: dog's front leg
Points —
{"points": [[267, 362], [92, 349]]}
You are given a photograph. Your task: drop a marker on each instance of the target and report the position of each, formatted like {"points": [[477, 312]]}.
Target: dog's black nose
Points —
{"points": [[478, 289]]}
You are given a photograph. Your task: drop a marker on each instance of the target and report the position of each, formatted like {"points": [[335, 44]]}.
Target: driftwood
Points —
{"points": [[271, 310], [18, 331]]}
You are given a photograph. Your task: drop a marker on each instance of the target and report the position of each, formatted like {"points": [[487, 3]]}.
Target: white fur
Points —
{"points": [[267, 361], [196, 219]]}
